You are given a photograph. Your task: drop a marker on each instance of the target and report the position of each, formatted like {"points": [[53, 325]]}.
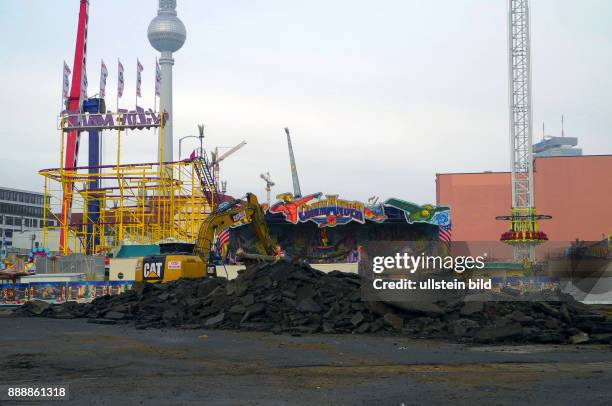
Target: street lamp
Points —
{"points": [[200, 137], [181, 140]]}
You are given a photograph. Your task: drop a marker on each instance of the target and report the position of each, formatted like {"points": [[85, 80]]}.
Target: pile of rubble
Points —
{"points": [[291, 298]]}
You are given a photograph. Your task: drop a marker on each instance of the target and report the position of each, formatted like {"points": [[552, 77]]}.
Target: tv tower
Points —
{"points": [[166, 34]]}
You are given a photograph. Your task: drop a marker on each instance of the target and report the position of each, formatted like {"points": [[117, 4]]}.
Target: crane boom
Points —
{"points": [[230, 152]]}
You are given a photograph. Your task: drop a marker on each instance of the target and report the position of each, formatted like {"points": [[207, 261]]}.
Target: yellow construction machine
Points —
{"points": [[171, 266]]}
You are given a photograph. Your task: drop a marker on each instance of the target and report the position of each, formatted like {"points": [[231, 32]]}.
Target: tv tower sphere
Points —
{"points": [[166, 32]]}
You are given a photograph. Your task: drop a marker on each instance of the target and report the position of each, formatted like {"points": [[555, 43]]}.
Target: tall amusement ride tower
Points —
{"points": [[524, 233], [166, 34]]}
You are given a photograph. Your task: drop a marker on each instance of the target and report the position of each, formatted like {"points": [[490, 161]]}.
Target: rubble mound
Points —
{"points": [[295, 298]]}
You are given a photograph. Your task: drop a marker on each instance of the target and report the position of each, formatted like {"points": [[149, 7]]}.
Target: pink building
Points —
{"points": [[575, 190]]}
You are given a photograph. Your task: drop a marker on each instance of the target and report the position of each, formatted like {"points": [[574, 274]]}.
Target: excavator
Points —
{"points": [[160, 268]]}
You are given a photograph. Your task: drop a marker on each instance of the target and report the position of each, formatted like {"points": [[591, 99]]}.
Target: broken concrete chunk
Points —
{"points": [[394, 321]]}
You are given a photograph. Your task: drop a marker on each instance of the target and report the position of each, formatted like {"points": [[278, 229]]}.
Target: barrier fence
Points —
{"points": [[60, 292]]}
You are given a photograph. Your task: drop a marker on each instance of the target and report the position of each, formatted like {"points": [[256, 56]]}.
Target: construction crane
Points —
{"points": [[297, 193], [524, 234], [269, 185], [217, 159]]}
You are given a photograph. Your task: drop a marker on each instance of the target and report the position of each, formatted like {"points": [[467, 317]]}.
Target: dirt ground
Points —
{"points": [[117, 364]]}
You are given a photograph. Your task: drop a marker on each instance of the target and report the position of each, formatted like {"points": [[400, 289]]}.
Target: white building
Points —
{"points": [[20, 211]]}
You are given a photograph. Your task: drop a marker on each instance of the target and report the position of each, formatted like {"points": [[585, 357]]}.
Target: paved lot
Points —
{"points": [[118, 364]]}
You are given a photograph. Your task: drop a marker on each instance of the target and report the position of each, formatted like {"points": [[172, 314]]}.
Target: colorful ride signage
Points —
{"points": [[327, 212], [138, 119], [331, 211]]}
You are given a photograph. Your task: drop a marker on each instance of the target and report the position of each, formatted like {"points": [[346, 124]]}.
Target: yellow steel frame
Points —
{"points": [[139, 203]]}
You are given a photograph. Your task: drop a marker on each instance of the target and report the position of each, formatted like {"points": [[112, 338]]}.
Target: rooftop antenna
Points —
{"points": [[562, 127], [269, 185], [297, 193]]}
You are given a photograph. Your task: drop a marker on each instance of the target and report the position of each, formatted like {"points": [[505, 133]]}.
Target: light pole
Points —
{"points": [[181, 140], [200, 137]]}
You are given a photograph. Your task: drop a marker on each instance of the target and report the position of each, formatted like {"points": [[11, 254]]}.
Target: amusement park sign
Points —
{"points": [[138, 119], [331, 211], [327, 212]]}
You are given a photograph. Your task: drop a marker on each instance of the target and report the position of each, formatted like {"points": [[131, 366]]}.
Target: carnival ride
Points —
{"points": [[524, 234], [99, 206]]}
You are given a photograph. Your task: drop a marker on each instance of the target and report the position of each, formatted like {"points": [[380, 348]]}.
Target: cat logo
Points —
{"points": [[153, 270]]}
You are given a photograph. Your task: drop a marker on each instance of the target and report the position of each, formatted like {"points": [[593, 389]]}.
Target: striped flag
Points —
{"points": [[223, 237], [139, 70], [66, 87], [157, 78], [103, 76], [120, 82], [444, 234]]}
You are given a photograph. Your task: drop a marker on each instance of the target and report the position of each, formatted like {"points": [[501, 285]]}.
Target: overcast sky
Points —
{"points": [[379, 95]]}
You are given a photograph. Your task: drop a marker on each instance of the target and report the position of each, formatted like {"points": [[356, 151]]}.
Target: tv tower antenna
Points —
{"points": [[269, 185], [297, 193], [524, 234]]}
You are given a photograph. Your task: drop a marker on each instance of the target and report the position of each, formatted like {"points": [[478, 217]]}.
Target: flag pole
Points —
{"points": [[155, 89], [100, 144], [137, 74], [118, 63], [63, 73]]}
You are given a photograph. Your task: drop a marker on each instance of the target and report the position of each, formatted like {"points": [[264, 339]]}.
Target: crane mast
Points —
{"points": [[269, 185]]}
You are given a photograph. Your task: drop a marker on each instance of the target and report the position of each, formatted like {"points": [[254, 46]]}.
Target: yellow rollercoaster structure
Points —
{"points": [[142, 203], [136, 203]]}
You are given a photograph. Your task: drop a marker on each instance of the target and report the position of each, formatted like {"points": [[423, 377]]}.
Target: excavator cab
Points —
{"points": [[173, 262]]}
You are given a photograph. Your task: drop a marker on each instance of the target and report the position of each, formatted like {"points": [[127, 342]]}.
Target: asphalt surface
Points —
{"points": [[117, 364]]}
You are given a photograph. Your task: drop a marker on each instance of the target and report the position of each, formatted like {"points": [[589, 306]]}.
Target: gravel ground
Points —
{"points": [[117, 364]]}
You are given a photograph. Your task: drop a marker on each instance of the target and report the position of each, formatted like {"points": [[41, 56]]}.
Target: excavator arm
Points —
{"points": [[169, 267], [228, 217]]}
